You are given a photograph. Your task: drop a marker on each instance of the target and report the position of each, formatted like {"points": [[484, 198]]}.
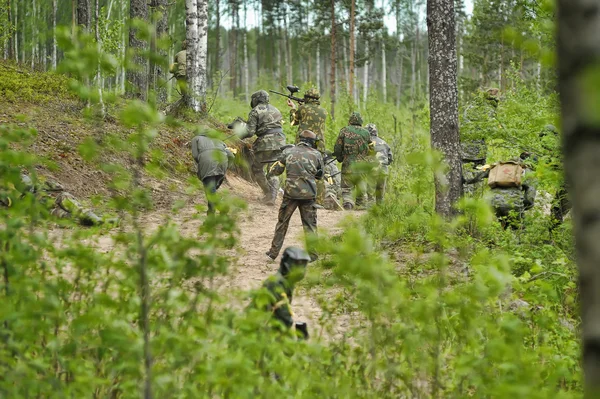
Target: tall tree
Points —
{"points": [[99, 49], [9, 23], [217, 59], [197, 50], [578, 54], [84, 14], [333, 60], [158, 74], [443, 94], [352, 46], [54, 34], [137, 77]]}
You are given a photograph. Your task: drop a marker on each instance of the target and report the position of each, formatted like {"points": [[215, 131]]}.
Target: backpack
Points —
{"points": [[505, 174]]}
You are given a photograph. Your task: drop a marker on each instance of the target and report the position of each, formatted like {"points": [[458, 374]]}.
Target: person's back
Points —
{"points": [[302, 164], [311, 116], [181, 61], [352, 144], [210, 155]]}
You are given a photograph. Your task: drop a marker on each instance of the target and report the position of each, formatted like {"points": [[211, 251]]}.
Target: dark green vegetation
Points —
{"points": [[430, 308]]}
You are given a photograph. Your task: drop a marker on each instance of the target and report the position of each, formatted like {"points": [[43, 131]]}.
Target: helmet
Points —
{"points": [[473, 151], [372, 128], [309, 138], [293, 256], [356, 119], [260, 97], [312, 93], [549, 129]]}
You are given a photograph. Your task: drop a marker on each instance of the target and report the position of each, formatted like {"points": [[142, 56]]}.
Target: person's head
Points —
{"points": [[309, 138], [372, 128], [293, 264], [184, 45], [355, 119], [312, 94], [259, 97], [493, 96], [473, 151]]}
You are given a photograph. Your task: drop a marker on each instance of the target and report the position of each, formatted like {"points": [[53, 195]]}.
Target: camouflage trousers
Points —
{"points": [[67, 206], [308, 214], [354, 189], [331, 202], [269, 187]]}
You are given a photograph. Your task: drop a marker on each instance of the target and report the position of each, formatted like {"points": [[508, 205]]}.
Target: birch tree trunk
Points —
{"points": [[352, 49], [288, 50], [197, 43], [345, 62], [383, 70], [578, 55], [366, 73], [319, 66], [444, 102], [54, 34], [99, 49], [333, 60], [217, 61], [203, 51], [16, 35], [137, 78]]}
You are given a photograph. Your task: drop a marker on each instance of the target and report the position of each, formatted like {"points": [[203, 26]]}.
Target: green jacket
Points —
{"points": [[352, 145], [310, 116], [303, 165]]}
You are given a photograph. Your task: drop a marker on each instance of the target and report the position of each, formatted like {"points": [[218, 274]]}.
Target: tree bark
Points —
{"points": [[137, 78], [366, 72], [217, 61], [157, 73], [33, 34], [444, 102], [318, 66], [333, 60], [84, 14], [54, 60], [9, 42], [352, 48], [197, 43], [99, 49], [578, 55], [383, 69], [16, 35], [345, 62], [246, 66]]}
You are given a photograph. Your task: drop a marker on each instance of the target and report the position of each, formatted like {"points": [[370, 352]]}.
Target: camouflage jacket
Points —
{"points": [[510, 198], [280, 299], [383, 152], [352, 145], [310, 116], [265, 121], [333, 185], [180, 66], [303, 165], [471, 187]]}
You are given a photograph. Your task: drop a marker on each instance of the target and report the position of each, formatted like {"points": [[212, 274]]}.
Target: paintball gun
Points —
{"points": [[293, 90]]}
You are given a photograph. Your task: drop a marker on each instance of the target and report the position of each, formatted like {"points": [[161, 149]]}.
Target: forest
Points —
{"points": [[123, 275]]}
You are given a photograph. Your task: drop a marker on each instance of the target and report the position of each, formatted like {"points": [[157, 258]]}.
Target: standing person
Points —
{"points": [[212, 160], [351, 147], [280, 288], [265, 121], [311, 116], [384, 156], [178, 68], [304, 165]]}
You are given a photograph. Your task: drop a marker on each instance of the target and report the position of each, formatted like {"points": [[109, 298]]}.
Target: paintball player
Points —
{"points": [[264, 121], [212, 159], [512, 196], [178, 68], [60, 203], [473, 155], [384, 156], [333, 184], [280, 288], [303, 165], [311, 116], [351, 147]]}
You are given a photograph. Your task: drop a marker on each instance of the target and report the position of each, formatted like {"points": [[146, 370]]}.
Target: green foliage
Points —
{"points": [[18, 85]]}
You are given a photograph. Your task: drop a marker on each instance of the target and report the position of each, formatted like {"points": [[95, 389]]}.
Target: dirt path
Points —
{"points": [[257, 226]]}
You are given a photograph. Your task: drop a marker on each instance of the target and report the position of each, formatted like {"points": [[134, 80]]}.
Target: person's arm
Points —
{"points": [[251, 125], [478, 177], [338, 148], [294, 116], [320, 168], [280, 305], [390, 155], [278, 167]]}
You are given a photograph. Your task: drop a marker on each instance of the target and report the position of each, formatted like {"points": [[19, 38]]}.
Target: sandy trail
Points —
{"points": [[257, 226]]}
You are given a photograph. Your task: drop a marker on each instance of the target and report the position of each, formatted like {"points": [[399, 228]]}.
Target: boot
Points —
{"points": [[348, 206]]}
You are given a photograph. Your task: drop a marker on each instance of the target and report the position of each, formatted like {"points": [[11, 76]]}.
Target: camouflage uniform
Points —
{"points": [[333, 185], [510, 203], [179, 68], [351, 147], [63, 204], [310, 116], [303, 165], [265, 121], [212, 160], [473, 154], [384, 157]]}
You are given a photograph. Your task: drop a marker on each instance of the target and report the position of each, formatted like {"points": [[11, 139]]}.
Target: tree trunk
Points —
{"points": [[246, 66], [366, 73], [333, 59], [217, 61], [99, 49], [203, 49], [318, 66], [345, 62], [196, 36], [83, 14], [157, 73], [383, 70], [16, 35], [33, 34], [578, 52], [54, 60], [137, 79], [444, 102], [9, 41], [352, 49]]}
